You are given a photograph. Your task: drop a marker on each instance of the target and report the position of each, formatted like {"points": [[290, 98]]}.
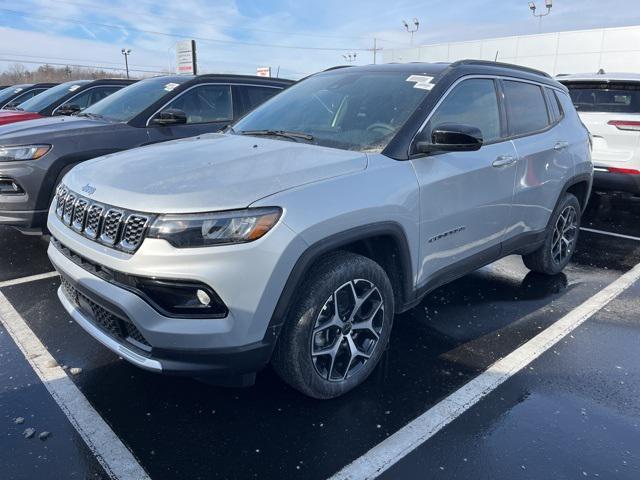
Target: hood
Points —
{"points": [[47, 126], [208, 173], [10, 116]]}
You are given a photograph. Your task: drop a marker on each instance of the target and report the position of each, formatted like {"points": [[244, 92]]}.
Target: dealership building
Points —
{"points": [[579, 51]]}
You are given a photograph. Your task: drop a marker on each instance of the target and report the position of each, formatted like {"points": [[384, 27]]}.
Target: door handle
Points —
{"points": [[504, 161], [560, 146]]}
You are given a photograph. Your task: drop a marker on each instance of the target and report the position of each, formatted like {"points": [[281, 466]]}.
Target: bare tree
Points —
{"points": [[18, 73]]}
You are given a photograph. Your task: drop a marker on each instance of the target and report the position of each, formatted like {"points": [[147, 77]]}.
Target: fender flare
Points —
{"points": [[335, 242]]}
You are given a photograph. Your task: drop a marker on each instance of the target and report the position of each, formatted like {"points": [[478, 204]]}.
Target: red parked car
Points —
{"points": [[64, 99]]}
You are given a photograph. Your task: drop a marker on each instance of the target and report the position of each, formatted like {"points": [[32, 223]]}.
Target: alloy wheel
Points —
{"points": [[564, 235], [347, 330]]}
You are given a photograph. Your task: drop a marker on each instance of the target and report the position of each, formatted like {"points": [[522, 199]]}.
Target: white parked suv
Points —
{"points": [[609, 106]]}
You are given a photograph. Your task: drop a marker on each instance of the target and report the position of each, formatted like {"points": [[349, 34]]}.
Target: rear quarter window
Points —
{"points": [[605, 97], [526, 108]]}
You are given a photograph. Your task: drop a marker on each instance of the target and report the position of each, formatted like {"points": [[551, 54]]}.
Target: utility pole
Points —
{"points": [[411, 30], [375, 50], [126, 52], [532, 7]]}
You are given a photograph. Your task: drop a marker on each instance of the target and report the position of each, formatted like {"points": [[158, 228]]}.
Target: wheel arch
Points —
{"points": [[384, 242]]}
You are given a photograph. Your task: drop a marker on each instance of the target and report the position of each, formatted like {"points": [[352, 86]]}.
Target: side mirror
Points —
{"points": [[170, 116], [68, 109], [452, 137]]}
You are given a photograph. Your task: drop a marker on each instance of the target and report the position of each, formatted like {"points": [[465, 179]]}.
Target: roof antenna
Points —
{"points": [[601, 71]]}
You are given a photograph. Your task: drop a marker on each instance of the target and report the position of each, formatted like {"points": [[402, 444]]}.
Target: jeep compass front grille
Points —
{"points": [[116, 228]]}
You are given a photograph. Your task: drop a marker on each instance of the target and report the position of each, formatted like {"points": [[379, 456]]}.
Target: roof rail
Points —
{"points": [[337, 67], [500, 64]]}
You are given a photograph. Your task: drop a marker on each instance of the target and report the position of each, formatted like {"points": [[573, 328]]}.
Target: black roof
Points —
{"points": [[226, 77], [468, 66]]}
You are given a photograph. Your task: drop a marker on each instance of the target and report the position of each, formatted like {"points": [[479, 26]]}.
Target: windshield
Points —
{"points": [[605, 97], [342, 109], [46, 98], [9, 92], [125, 104]]}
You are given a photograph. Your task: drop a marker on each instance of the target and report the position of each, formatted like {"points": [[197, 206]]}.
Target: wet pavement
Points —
{"points": [[531, 427]]}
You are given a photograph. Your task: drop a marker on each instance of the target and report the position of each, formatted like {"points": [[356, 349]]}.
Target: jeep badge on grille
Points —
{"points": [[89, 189]]}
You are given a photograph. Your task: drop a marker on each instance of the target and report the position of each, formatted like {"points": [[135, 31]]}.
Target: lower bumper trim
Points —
{"points": [[107, 341]]}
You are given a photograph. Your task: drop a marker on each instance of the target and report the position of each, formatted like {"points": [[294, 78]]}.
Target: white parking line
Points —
{"points": [[32, 278], [117, 461], [397, 446], [611, 234]]}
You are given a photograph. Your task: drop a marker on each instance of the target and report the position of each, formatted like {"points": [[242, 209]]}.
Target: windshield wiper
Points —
{"points": [[89, 115], [279, 133]]}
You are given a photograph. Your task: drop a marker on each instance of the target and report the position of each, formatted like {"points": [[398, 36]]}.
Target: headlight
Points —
{"points": [[23, 152], [218, 228]]}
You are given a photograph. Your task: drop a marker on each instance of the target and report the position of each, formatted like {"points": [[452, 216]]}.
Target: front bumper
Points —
{"points": [[24, 219], [123, 322], [618, 182], [248, 278]]}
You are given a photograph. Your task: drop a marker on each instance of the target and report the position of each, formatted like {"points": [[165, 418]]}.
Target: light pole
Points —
{"points": [[411, 30], [532, 7], [350, 57], [126, 52]]}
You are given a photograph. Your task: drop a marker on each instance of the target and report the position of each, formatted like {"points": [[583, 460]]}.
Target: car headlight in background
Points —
{"points": [[23, 152], [217, 228]]}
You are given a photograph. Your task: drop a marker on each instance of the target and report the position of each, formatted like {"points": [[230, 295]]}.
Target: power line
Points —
{"points": [[166, 34], [98, 67], [76, 59]]}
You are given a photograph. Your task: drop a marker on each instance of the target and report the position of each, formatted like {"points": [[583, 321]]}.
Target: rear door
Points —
{"points": [[611, 112], [208, 107], [543, 148], [465, 197]]}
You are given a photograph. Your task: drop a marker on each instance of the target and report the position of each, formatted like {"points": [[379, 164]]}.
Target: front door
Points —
{"points": [[465, 197]]}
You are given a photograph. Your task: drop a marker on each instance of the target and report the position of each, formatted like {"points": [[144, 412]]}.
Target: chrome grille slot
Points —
{"points": [[79, 214], [133, 232], [68, 208], [94, 215], [111, 227], [61, 196]]}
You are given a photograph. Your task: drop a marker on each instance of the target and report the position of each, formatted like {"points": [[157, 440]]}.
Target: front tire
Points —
{"points": [[560, 239], [338, 327]]}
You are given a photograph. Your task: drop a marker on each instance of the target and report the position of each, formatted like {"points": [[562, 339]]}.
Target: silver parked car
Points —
{"points": [[297, 235]]}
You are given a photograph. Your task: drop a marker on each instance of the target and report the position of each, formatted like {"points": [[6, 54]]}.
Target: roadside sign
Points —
{"points": [[263, 71], [186, 57]]}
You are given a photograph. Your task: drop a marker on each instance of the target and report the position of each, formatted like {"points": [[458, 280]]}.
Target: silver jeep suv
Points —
{"points": [[297, 235]]}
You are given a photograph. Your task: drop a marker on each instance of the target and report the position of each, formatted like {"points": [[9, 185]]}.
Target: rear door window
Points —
{"points": [[205, 103], [613, 97], [526, 108], [254, 96], [92, 95]]}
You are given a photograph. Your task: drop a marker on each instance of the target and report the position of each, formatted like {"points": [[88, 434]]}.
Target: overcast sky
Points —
{"points": [[298, 36]]}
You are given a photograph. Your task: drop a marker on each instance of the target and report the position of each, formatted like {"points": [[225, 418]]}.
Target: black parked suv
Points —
{"points": [[13, 96], [35, 155]]}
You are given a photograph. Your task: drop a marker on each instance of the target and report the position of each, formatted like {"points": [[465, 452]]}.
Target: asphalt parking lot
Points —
{"points": [[572, 413]]}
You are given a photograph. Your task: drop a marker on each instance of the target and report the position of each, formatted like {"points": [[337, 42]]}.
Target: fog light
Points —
{"points": [[203, 298], [9, 187]]}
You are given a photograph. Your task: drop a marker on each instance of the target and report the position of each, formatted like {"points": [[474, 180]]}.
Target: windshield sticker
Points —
{"points": [[170, 86], [422, 82], [73, 88]]}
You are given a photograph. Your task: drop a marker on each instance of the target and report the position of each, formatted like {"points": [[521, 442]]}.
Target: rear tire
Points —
{"points": [[560, 239], [337, 328]]}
